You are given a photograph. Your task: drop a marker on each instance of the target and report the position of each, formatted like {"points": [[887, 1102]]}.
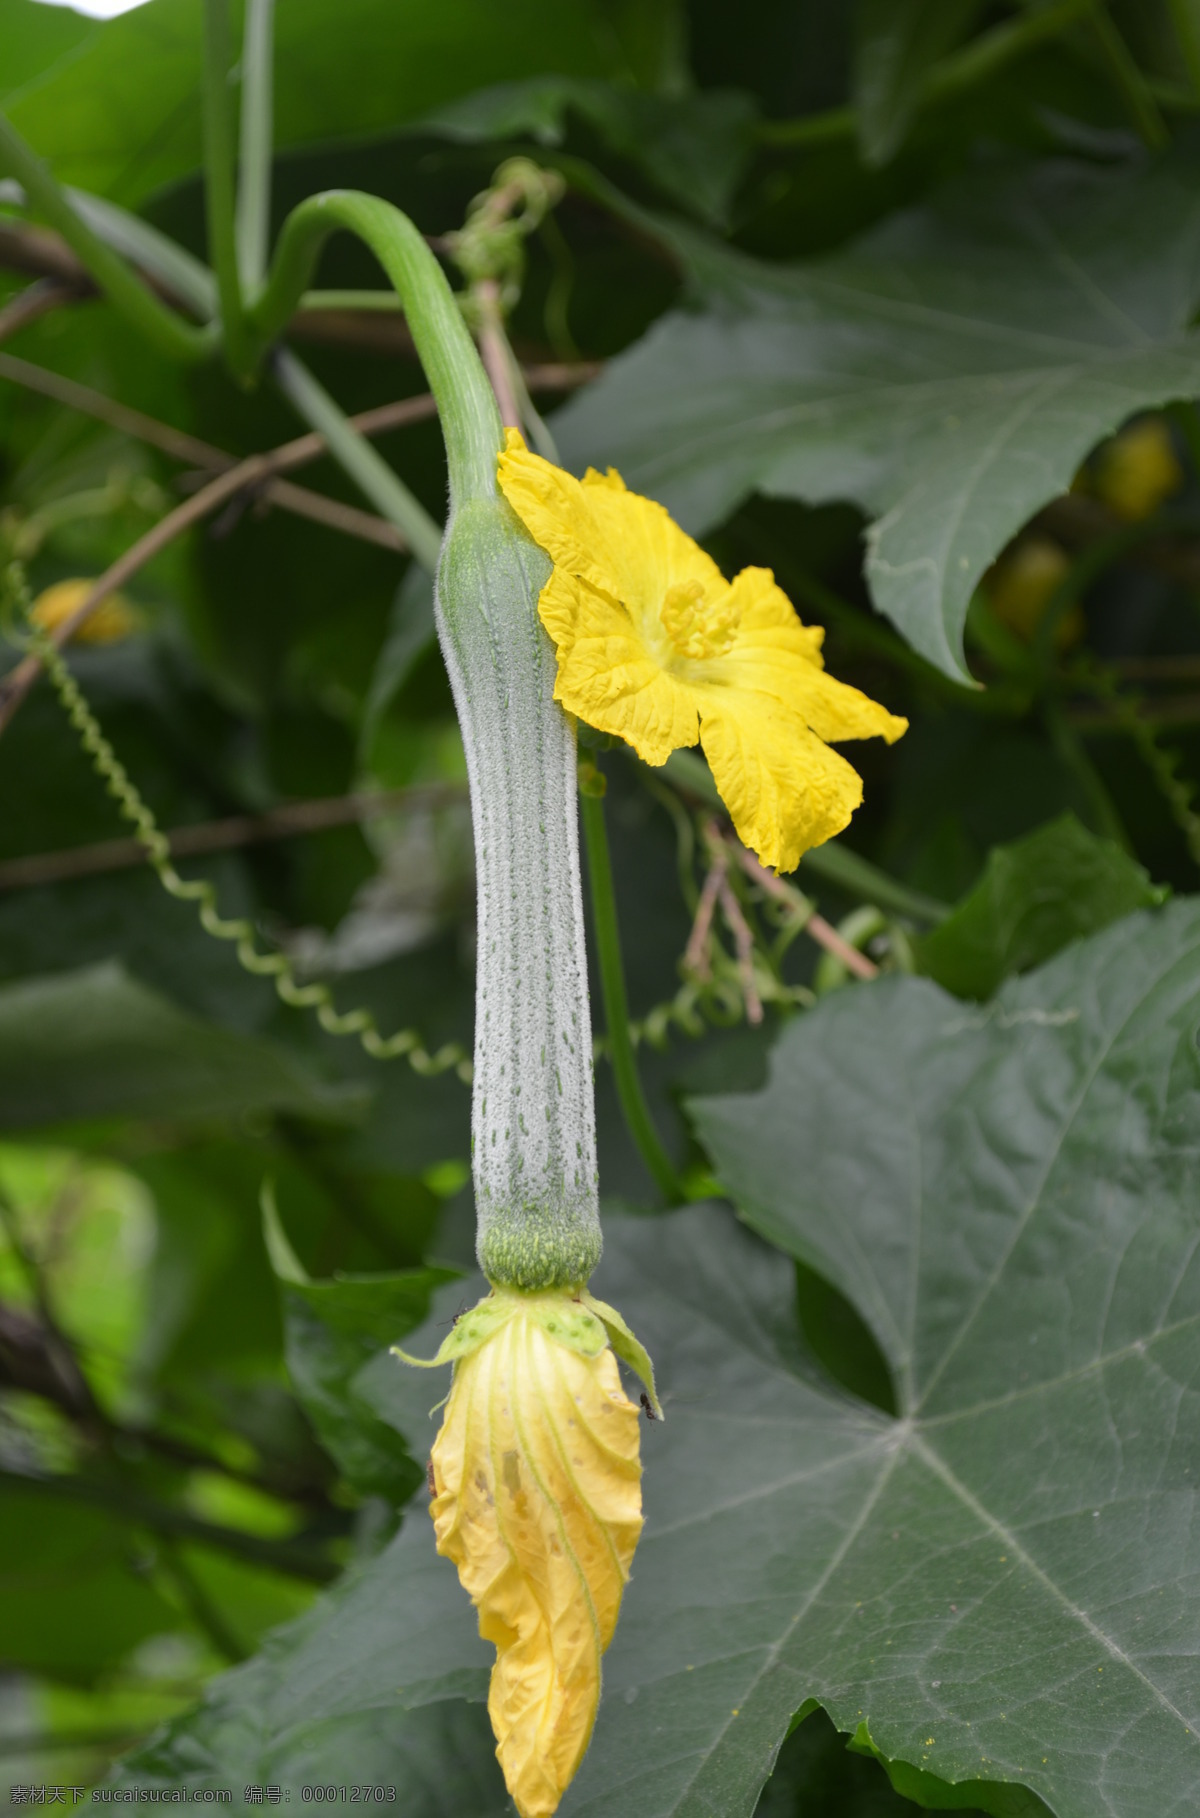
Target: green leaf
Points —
{"points": [[1054, 886], [1006, 1199], [999, 1582], [896, 46], [122, 117], [948, 371], [695, 146], [97, 1044]]}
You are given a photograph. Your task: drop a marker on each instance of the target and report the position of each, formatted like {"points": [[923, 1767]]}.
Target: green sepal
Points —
{"points": [[468, 1332], [627, 1347], [565, 1318], [580, 1327]]}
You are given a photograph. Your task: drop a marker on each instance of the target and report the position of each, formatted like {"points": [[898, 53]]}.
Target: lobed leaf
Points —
{"points": [[1000, 1582], [948, 371]]}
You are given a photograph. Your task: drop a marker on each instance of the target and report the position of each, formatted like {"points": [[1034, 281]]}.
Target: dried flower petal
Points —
{"points": [[538, 1503]]}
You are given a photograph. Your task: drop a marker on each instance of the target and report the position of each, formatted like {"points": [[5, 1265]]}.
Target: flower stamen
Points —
{"points": [[697, 630]]}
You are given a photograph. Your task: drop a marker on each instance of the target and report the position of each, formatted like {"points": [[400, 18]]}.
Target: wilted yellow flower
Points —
{"points": [[655, 646], [537, 1500], [112, 620]]}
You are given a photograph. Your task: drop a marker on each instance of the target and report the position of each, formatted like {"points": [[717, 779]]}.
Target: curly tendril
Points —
{"points": [[236, 929]]}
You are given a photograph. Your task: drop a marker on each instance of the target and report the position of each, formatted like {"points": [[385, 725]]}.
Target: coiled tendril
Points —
{"points": [[275, 966]]}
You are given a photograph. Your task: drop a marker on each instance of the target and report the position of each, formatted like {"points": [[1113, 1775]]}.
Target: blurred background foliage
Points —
{"points": [[180, 1469]]}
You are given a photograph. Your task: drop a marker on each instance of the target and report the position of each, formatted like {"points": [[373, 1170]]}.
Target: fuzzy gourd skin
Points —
{"points": [[533, 1123]]}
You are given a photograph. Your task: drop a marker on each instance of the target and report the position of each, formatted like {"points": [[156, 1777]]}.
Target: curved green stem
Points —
{"points": [[466, 405], [219, 188], [140, 307], [372, 302], [254, 168], [152, 254], [616, 1005]]}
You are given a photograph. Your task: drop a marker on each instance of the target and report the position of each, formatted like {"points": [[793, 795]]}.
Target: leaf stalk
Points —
{"points": [[219, 190], [634, 1108], [257, 123], [161, 326]]}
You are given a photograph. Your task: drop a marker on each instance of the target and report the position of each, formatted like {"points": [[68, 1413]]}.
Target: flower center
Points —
{"points": [[697, 630]]}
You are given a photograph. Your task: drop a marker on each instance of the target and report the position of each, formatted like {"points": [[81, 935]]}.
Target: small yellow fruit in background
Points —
{"points": [[1137, 471], [1022, 584], [112, 620]]}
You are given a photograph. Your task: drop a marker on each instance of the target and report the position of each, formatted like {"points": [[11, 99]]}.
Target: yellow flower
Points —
{"points": [[655, 646], [112, 620], [537, 1500]]}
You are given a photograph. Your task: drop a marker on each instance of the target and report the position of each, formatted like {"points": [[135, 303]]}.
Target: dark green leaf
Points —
{"points": [[949, 372], [96, 1044], [1005, 1197], [1055, 886], [998, 1582]]}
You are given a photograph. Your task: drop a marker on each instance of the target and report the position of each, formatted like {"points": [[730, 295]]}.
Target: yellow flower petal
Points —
{"points": [[784, 789], [538, 1503], [775, 653], [626, 546], [655, 647], [607, 676], [112, 620]]}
